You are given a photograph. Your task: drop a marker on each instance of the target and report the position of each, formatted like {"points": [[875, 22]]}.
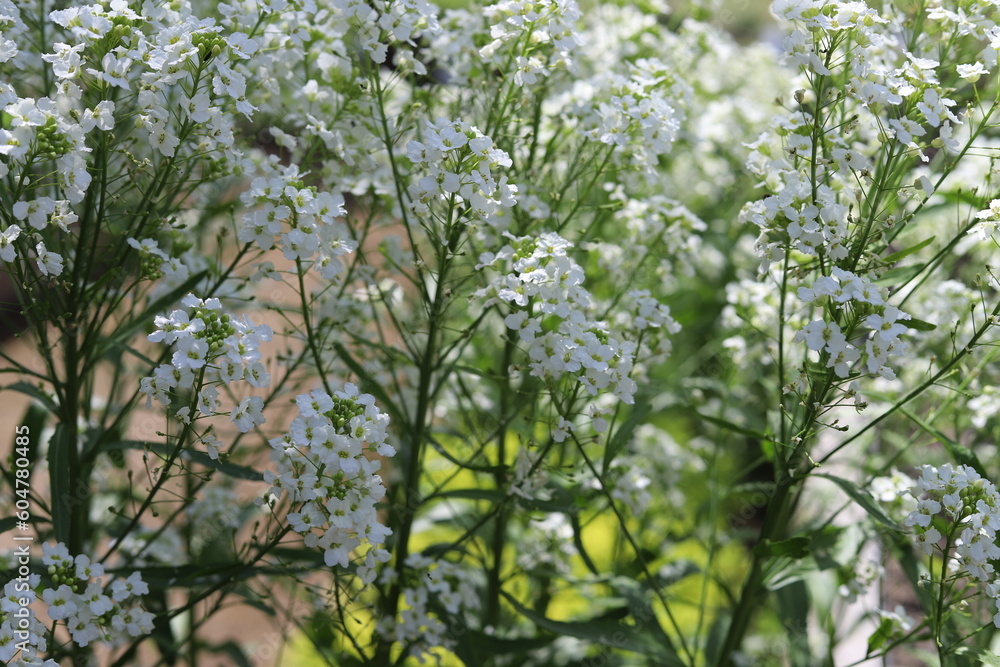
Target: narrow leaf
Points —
{"points": [[624, 433], [197, 456], [881, 635], [34, 392], [902, 274], [729, 426], [983, 655], [795, 547], [34, 418], [919, 325], [862, 498], [793, 608], [608, 632], [957, 451], [896, 256]]}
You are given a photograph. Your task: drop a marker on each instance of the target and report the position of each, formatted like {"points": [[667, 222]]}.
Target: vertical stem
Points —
{"points": [[404, 508], [753, 589], [491, 615]]}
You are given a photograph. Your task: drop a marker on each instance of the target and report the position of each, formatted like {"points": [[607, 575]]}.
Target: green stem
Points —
{"points": [[491, 615]]}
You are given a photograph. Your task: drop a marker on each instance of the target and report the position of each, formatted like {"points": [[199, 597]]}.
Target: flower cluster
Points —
{"points": [[989, 220], [843, 287], [384, 23], [296, 219], [211, 347], [157, 75], [812, 222], [549, 311], [78, 598], [960, 507], [437, 584], [323, 467], [643, 114], [552, 28], [30, 632], [638, 115], [459, 161]]}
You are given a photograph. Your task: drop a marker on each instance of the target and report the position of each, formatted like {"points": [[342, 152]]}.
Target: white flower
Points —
{"points": [[101, 116], [122, 589], [36, 211], [198, 107], [971, 73], [49, 263], [163, 139], [7, 250], [248, 414], [191, 353], [61, 602], [212, 444]]}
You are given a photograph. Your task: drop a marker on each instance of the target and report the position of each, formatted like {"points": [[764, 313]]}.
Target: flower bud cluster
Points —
{"points": [[324, 466]]}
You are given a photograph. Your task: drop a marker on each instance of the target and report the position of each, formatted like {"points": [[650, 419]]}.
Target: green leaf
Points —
{"points": [[901, 275], [959, 452], [574, 520], [881, 635], [793, 608], [896, 256], [717, 636], [59, 478], [862, 498], [832, 546], [624, 434], [784, 571], [640, 610], [795, 547], [919, 325], [156, 602], [197, 456], [982, 655], [608, 632], [34, 418], [34, 392], [729, 426]]}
